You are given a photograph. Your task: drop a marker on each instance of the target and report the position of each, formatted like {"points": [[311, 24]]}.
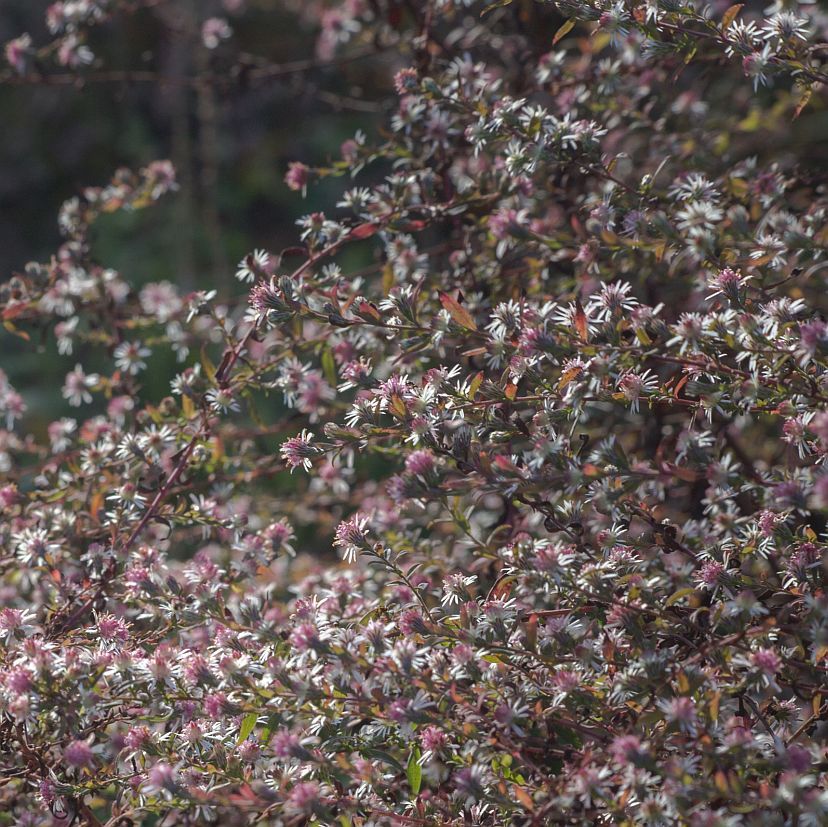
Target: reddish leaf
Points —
{"points": [[524, 797], [730, 15], [13, 310], [457, 312], [567, 376], [505, 464], [608, 649], [96, 504], [368, 309], [397, 407], [502, 587], [364, 231], [683, 473], [680, 384], [531, 632], [581, 321]]}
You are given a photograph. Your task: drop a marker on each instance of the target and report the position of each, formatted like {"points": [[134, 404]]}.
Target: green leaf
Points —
{"points": [[247, 725], [328, 367], [414, 771]]}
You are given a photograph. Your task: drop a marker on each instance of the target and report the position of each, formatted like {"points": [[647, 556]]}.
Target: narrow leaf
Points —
{"points": [[680, 384], [730, 15], [457, 311], [397, 407], [498, 4], [247, 725], [502, 587], [369, 310], [187, 407], [364, 231], [524, 797], [207, 364], [567, 376], [328, 367], [17, 332], [803, 101], [414, 771], [581, 321], [563, 31], [474, 385]]}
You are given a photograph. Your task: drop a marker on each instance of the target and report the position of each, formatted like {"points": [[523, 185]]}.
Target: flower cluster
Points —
{"points": [[521, 522]]}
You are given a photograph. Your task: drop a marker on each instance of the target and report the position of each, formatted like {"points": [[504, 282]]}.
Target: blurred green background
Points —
{"points": [[230, 140]]}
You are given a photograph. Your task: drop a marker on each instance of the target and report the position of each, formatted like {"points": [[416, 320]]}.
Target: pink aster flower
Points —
{"points": [[633, 386], [79, 754], [710, 574], [680, 711], [420, 463], [214, 30], [433, 739], [768, 521], [298, 451], [767, 661], [305, 637], [304, 797], [627, 749], [297, 176], [351, 536], [728, 283], [19, 52], [137, 737], [406, 81], [285, 744], [162, 776], [112, 629]]}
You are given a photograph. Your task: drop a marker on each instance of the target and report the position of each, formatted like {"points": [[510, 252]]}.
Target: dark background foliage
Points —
{"points": [[229, 129], [231, 119]]}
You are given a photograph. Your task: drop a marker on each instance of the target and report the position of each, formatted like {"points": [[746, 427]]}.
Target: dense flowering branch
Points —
{"points": [[550, 378]]}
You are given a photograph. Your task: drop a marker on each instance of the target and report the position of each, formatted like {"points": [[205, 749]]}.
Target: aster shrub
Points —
{"points": [[498, 499]]}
